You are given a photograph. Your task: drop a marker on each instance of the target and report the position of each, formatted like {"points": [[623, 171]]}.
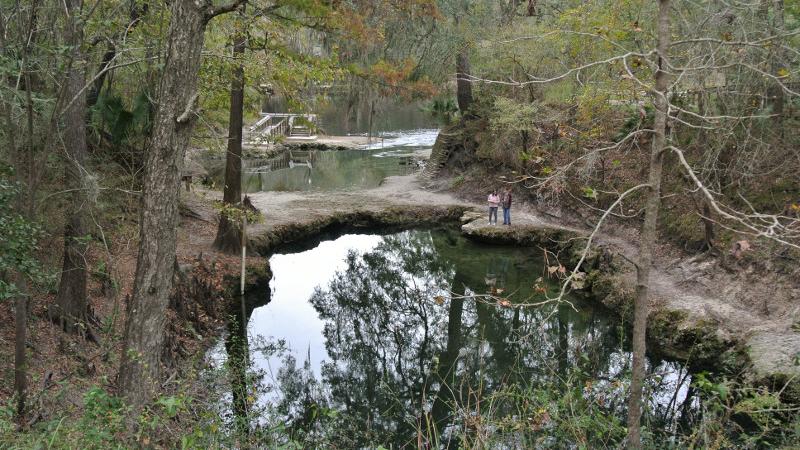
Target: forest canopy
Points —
{"points": [[672, 123]]}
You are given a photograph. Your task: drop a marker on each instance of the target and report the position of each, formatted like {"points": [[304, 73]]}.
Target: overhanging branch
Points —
{"points": [[212, 11]]}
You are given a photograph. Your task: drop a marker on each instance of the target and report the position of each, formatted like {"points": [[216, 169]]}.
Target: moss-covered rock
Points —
{"points": [[775, 364], [787, 385], [524, 235], [698, 343], [256, 276], [313, 230], [610, 289]]}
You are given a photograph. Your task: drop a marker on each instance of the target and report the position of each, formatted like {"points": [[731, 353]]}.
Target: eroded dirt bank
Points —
{"points": [[697, 315], [63, 367]]}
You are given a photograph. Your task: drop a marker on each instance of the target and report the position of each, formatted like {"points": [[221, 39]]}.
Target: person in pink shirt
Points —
{"points": [[494, 203]]}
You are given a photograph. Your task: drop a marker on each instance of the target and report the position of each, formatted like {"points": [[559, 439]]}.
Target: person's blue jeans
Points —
{"points": [[493, 212], [506, 216]]}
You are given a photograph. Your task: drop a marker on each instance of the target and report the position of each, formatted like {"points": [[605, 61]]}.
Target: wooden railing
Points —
{"points": [[273, 125]]}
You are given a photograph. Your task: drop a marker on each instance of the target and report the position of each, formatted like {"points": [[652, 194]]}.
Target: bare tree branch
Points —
{"points": [[770, 227], [212, 11]]}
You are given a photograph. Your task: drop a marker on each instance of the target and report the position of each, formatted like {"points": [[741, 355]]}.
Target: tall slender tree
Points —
{"points": [[229, 234], [174, 120], [648, 235], [71, 305], [463, 85], [17, 43], [20, 337], [779, 59]]}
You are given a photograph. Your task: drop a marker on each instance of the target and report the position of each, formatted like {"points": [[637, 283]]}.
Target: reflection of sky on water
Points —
{"points": [[296, 276], [369, 319], [289, 315]]}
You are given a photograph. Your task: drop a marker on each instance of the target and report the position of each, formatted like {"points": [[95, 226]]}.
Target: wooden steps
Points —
{"points": [[440, 154]]}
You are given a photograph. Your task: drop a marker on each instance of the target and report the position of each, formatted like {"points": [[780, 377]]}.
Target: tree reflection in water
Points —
{"points": [[345, 169], [410, 366]]}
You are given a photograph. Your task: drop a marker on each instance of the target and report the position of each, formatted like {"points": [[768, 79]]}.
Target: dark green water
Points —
{"points": [[374, 340], [347, 169]]}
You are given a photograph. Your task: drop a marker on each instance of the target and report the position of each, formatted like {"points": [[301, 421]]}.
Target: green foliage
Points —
{"points": [[18, 241], [636, 121], [589, 193], [172, 405], [719, 390], [442, 108], [103, 423], [123, 125], [511, 115], [279, 58], [744, 417], [759, 407], [236, 213], [103, 418]]}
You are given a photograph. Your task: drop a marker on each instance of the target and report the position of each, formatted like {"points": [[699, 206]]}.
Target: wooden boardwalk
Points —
{"points": [[273, 126]]}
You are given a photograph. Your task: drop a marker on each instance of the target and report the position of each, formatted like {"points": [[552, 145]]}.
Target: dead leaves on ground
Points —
{"points": [[739, 248], [578, 280]]}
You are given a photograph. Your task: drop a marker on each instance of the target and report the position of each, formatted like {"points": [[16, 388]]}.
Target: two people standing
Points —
{"points": [[494, 203]]}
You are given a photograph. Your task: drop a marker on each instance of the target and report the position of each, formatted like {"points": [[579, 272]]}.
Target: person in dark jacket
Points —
{"points": [[506, 202]]}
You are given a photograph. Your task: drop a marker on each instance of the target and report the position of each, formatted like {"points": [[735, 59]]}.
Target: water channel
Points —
{"points": [[393, 153], [374, 339], [370, 340]]}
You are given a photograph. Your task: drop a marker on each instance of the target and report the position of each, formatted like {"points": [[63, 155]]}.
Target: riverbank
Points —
{"points": [[339, 142], [690, 300], [324, 142]]}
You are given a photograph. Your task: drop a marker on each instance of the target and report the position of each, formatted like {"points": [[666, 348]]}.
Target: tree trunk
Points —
{"points": [[20, 338], [510, 10], [346, 117], [70, 310], [779, 61], [102, 73], [763, 10], [463, 85], [369, 122], [229, 235], [708, 227], [649, 233], [531, 11], [175, 116], [524, 135], [446, 372], [238, 363], [20, 301]]}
